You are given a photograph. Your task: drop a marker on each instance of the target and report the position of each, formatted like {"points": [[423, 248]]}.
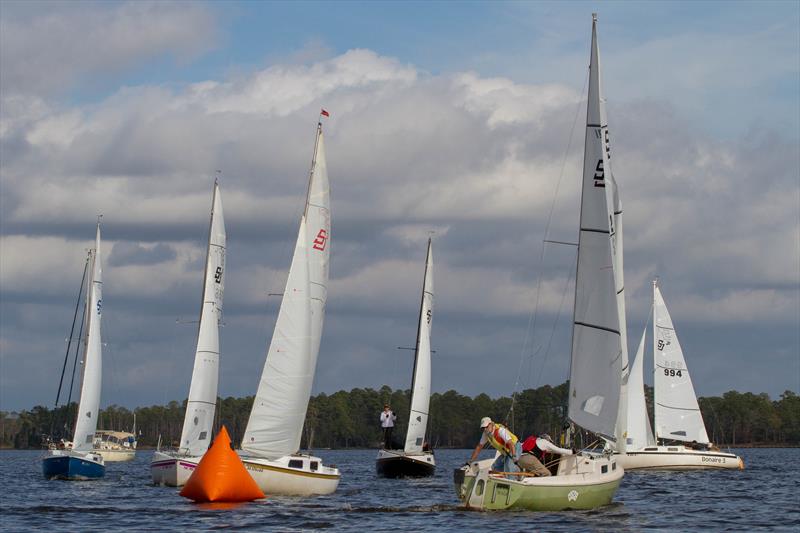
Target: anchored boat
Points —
{"points": [[416, 459], [173, 467], [81, 461], [679, 422], [599, 350], [270, 448]]}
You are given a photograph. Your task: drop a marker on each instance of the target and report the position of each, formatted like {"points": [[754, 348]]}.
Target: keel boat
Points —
{"points": [[599, 352], [173, 467], [416, 459]]}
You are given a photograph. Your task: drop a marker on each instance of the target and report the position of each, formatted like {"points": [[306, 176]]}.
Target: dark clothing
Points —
{"points": [[387, 437]]}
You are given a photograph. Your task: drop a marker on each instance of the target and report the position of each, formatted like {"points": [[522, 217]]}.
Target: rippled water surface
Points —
{"points": [[764, 496]]}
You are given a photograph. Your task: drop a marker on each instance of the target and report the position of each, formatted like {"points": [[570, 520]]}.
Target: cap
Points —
{"points": [[546, 437], [485, 421]]}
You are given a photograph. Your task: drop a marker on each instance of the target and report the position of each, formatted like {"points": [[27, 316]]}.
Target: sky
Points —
{"points": [[464, 119]]}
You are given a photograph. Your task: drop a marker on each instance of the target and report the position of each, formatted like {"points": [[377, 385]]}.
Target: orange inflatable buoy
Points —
{"points": [[221, 476]]}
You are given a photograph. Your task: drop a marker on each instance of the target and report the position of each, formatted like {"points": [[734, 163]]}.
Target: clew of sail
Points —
{"points": [[677, 414], [421, 380], [599, 352], [89, 406], [201, 405]]}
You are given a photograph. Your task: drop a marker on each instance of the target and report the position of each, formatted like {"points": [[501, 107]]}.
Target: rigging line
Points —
{"points": [[72, 330], [75, 361], [533, 315]]}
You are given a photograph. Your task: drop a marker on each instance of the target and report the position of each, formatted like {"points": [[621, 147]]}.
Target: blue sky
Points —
{"points": [[449, 116]]}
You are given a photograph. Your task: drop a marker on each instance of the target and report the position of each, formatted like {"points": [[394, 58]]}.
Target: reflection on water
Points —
{"points": [[762, 496]]}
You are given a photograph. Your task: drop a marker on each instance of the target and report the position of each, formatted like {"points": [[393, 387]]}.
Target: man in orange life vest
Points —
{"points": [[534, 452], [502, 440]]}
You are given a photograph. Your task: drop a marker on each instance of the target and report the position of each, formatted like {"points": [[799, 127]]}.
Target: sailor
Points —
{"points": [[534, 454], [505, 442], [387, 423]]}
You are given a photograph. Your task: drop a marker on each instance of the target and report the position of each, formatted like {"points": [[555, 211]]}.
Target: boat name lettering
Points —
{"points": [[321, 240], [713, 459]]}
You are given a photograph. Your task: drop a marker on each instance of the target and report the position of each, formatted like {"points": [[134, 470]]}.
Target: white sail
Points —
{"points": [[201, 405], [677, 414], [638, 433], [421, 381], [279, 410], [89, 406], [598, 355]]}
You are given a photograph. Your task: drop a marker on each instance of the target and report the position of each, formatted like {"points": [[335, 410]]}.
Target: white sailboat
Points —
{"points": [[678, 420], [271, 443], [415, 459], [587, 480], [173, 467], [82, 461]]}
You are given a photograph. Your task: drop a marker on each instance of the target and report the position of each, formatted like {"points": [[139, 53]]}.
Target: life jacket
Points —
{"points": [[496, 440], [529, 446]]}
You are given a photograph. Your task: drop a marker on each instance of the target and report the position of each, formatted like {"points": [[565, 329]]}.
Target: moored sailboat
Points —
{"points": [[416, 459], [173, 467], [679, 423], [271, 444], [81, 461], [587, 480]]}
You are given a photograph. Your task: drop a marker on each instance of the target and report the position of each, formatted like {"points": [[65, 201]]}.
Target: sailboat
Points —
{"points": [[271, 443], [586, 480], [82, 462], [678, 420], [173, 467], [416, 459]]}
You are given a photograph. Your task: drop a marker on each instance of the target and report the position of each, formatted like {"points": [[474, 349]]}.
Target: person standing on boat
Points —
{"points": [[387, 423], [534, 454], [502, 440]]}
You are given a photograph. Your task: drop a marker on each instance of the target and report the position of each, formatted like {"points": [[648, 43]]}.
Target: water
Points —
{"points": [[764, 496]]}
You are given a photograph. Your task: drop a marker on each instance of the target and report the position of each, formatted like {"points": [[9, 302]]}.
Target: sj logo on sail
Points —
{"points": [[321, 240]]}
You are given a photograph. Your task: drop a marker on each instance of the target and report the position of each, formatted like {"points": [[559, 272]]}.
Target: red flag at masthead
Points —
{"points": [[324, 113]]}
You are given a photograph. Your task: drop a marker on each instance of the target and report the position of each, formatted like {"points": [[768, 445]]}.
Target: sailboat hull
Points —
{"points": [[582, 482], [73, 466], [678, 458], [397, 463], [293, 475], [172, 470]]}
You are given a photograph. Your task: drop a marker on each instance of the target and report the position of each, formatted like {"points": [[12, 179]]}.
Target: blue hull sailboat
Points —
{"points": [[81, 462]]}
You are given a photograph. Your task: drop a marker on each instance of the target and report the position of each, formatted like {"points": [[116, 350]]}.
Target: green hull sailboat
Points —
{"points": [[599, 349]]}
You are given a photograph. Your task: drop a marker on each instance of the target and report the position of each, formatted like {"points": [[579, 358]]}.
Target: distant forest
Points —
{"points": [[350, 419]]}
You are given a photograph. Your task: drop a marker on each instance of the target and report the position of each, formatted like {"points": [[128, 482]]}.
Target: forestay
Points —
{"points": [[677, 414], [599, 352], [201, 405], [421, 381], [279, 410], [86, 425]]}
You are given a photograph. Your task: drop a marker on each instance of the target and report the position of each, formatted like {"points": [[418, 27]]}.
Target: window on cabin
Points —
{"points": [[314, 466], [604, 469], [296, 463]]}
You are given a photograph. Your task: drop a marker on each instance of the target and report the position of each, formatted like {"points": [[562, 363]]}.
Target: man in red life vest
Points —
{"points": [[535, 451], [502, 440]]}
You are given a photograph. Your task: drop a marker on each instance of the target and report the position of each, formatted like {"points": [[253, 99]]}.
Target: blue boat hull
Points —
{"points": [[71, 468]]}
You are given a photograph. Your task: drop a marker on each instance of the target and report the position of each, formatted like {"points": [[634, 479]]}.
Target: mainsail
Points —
{"points": [[279, 410], [85, 427], [677, 414], [201, 405], [421, 381], [599, 351]]}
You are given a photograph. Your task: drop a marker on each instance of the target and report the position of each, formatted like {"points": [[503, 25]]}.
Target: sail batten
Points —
{"points": [[279, 410], [201, 403], [599, 351], [421, 380]]}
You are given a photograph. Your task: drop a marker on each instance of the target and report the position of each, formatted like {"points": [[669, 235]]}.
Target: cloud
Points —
{"points": [[475, 159]]}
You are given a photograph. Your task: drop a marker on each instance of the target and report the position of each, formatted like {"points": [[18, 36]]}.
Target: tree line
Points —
{"points": [[350, 419]]}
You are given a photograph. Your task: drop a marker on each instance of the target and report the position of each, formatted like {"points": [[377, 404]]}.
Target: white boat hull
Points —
{"points": [[172, 470], [293, 475], [678, 458], [117, 456]]}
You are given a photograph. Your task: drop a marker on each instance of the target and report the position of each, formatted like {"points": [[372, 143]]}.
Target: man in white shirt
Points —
{"points": [[387, 423]]}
